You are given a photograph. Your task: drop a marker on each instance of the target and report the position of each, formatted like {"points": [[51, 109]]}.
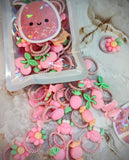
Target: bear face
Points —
{"points": [[38, 21]]}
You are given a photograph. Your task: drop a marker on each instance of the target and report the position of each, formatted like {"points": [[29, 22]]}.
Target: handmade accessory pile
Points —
{"points": [[59, 102]]}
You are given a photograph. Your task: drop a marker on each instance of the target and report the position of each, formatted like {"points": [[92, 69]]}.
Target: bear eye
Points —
{"points": [[31, 24], [46, 20]]}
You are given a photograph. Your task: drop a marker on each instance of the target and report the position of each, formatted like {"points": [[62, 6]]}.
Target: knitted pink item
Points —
{"points": [[76, 152], [65, 128], [87, 116], [60, 155], [34, 25], [93, 136], [57, 114], [75, 102]]}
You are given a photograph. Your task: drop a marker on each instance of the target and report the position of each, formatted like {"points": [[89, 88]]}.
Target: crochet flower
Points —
{"points": [[18, 151], [37, 136], [113, 44], [22, 43]]}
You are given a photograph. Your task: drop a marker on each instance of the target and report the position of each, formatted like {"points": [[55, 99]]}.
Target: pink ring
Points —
{"points": [[61, 137], [69, 60], [37, 90], [108, 99], [96, 65], [100, 44], [73, 87], [78, 125], [45, 112], [58, 99], [67, 150], [8, 149], [69, 43], [86, 149], [27, 147], [121, 120]]}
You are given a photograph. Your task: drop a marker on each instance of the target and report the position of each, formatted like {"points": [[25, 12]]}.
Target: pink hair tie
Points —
{"points": [[78, 125], [55, 143], [4, 154], [35, 93], [60, 4], [69, 43], [112, 44], [110, 94], [41, 52], [34, 140], [68, 59], [76, 88], [89, 65], [58, 98], [45, 113], [93, 136]]}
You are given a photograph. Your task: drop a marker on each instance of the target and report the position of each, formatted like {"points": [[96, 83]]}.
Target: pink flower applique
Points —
{"points": [[37, 136], [113, 44], [18, 151]]}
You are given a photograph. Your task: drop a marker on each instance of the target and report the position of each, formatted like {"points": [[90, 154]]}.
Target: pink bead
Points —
{"points": [[18, 62], [109, 49], [118, 48], [60, 155], [75, 102], [88, 64], [34, 129], [36, 143], [76, 152], [57, 49], [109, 40], [25, 71], [107, 45], [87, 116], [32, 140], [41, 141], [113, 49], [57, 114], [17, 157], [113, 38], [31, 134]]}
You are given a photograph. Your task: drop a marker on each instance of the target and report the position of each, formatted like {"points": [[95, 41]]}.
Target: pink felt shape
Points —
{"points": [[54, 103], [76, 152], [88, 83], [60, 155], [75, 102], [49, 60], [94, 136], [57, 114], [57, 49], [87, 116], [65, 128], [58, 65]]}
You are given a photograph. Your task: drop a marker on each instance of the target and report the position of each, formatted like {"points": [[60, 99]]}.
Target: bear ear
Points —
{"points": [[18, 3], [59, 4]]}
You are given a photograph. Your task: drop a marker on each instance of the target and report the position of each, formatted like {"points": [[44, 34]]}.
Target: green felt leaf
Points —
{"points": [[23, 62], [94, 102], [105, 86], [43, 131], [48, 55], [44, 58], [27, 65], [77, 92], [93, 97], [53, 70], [86, 96], [67, 110], [65, 42], [44, 137], [72, 124], [37, 57], [15, 146], [88, 105], [100, 79], [97, 84], [59, 121], [54, 151], [117, 40], [43, 47], [119, 43], [36, 69], [102, 131], [27, 56], [13, 152], [33, 62], [81, 85]]}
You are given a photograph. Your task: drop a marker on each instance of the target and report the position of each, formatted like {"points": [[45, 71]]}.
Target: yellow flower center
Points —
{"points": [[114, 44], [20, 150], [38, 135]]}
